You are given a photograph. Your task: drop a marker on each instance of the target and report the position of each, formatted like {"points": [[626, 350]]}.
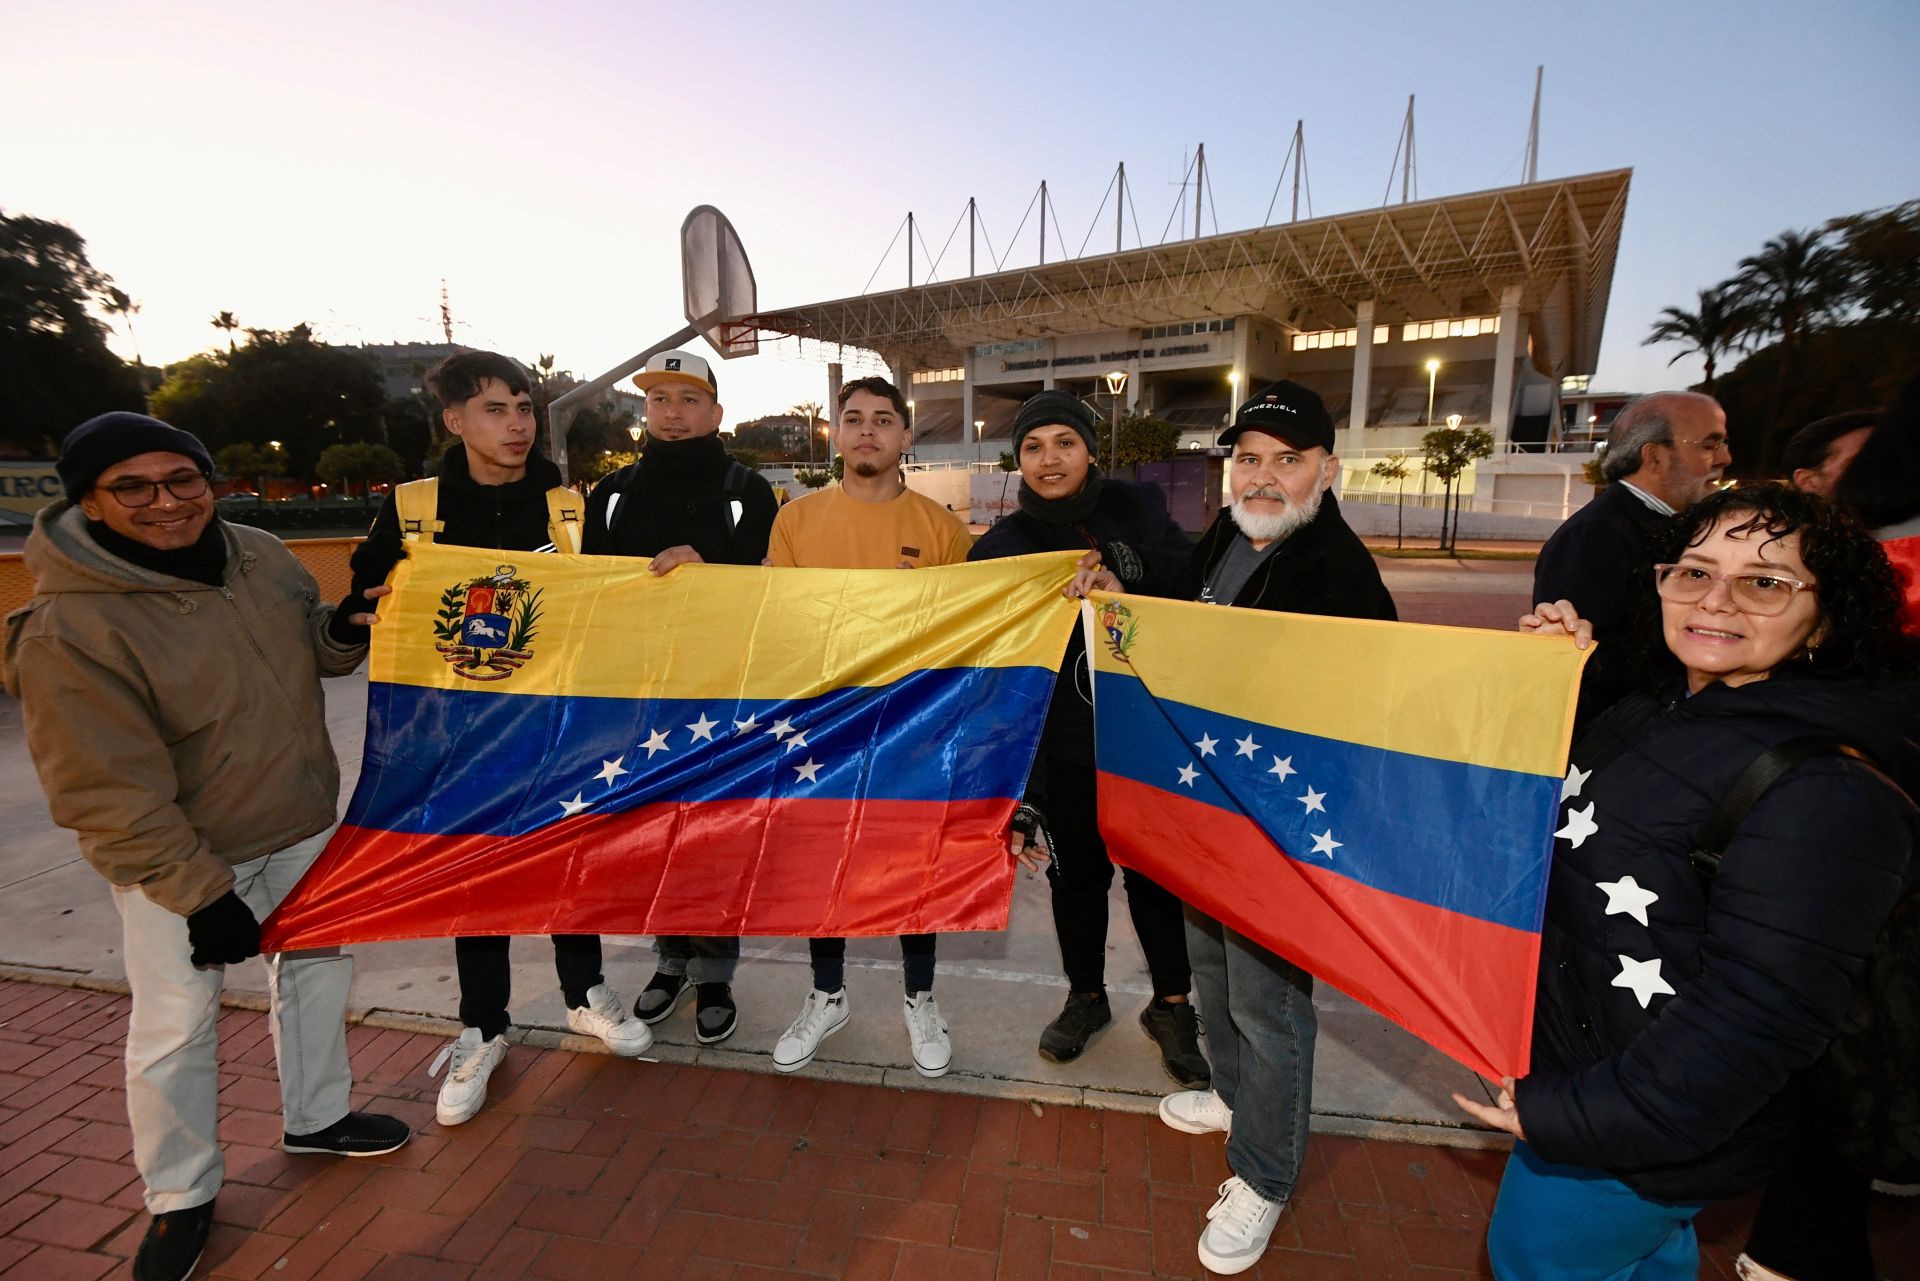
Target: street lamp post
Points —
{"points": [[979, 431], [635, 432], [1233, 400], [1433, 372], [1116, 387]]}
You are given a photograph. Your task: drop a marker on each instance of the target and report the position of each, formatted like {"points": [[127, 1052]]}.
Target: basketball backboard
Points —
{"points": [[717, 282]]}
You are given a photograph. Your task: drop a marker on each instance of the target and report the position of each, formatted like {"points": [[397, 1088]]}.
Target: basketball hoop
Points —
{"points": [[717, 283], [750, 330]]}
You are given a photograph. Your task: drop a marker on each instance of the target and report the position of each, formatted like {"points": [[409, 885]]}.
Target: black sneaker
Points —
{"points": [[714, 1015], [173, 1244], [660, 997], [1084, 1014], [355, 1134], [1175, 1028]]}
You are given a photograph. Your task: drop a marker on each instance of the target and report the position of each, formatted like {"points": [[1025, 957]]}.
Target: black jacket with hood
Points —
{"points": [[1321, 568]]}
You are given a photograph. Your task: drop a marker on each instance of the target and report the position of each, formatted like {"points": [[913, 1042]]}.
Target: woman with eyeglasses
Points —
{"points": [[1676, 1000]]}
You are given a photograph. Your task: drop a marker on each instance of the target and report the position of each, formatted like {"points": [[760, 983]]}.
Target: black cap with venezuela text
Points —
{"points": [[1288, 411]]}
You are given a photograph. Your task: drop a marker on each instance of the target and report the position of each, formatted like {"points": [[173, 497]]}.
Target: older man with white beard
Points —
{"points": [[1281, 545]]}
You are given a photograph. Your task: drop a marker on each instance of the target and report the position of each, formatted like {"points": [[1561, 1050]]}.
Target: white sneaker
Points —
{"points": [[932, 1051], [1238, 1228], [605, 1017], [1747, 1270], [1197, 1112], [822, 1016], [465, 1089]]}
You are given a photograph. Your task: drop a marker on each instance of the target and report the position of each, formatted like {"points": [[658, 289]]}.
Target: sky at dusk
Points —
{"points": [[332, 163]]}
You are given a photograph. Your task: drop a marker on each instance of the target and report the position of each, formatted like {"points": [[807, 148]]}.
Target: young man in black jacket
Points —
{"points": [[493, 490], [687, 500], [1281, 545]]}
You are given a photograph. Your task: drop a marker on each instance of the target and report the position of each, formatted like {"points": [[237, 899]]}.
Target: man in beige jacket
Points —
{"points": [[168, 668]]}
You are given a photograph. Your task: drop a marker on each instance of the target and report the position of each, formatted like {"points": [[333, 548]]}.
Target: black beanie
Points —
{"points": [[99, 443], [1051, 408]]}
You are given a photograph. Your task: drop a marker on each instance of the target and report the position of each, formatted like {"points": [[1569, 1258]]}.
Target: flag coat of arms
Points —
{"points": [[568, 744], [1374, 801]]}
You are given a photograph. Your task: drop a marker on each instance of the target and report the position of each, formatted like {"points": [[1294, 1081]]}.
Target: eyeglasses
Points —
{"points": [[144, 493], [1762, 595], [1706, 444]]}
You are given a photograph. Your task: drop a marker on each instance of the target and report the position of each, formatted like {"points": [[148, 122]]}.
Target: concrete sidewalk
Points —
{"points": [[585, 1167], [996, 990]]}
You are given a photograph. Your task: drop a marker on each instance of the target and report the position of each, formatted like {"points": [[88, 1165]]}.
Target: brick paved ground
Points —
{"points": [[585, 1167]]}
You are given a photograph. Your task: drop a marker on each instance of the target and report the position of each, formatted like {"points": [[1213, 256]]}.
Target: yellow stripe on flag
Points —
{"points": [[727, 631], [1442, 692]]}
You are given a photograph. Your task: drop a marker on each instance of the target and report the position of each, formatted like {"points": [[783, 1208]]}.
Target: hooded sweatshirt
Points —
{"points": [[178, 727]]}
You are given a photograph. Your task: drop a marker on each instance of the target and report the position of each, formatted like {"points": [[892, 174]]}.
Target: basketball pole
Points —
{"points": [[561, 411]]}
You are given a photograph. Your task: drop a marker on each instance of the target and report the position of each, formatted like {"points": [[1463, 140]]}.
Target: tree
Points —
{"points": [[1448, 453], [257, 462], [808, 412], [342, 466], [409, 422], [812, 477], [1146, 439], [54, 359], [1719, 326], [591, 467], [1394, 467], [225, 322], [1879, 255], [277, 385], [1795, 282], [119, 304]]}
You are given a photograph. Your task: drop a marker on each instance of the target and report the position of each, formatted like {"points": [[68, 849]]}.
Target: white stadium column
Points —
{"points": [[967, 430], [1362, 377], [1503, 367], [835, 375]]}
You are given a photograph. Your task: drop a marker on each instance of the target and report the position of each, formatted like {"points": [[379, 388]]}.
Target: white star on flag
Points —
{"points": [[747, 726], [1245, 747], [1626, 895], [809, 772], [610, 770], [799, 739], [657, 743], [1325, 844], [1206, 744], [781, 728], [703, 728], [1575, 780], [1580, 826], [573, 806], [1642, 978], [1187, 774], [1282, 767], [1312, 800]]}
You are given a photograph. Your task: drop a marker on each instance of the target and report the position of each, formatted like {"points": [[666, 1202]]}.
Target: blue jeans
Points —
{"points": [[1564, 1223], [1260, 1029]]}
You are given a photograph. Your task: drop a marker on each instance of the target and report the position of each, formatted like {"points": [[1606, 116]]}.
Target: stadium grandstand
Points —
{"points": [[1471, 310]]}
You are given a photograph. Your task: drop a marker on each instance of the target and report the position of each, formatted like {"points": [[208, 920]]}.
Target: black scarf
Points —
{"points": [[204, 562], [673, 462], [1070, 510]]}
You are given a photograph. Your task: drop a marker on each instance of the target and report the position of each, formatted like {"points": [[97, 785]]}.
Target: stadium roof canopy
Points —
{"points": [[1423, 260]]}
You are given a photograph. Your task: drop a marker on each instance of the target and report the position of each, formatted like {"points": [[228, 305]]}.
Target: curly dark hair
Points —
{"points": [[1859, 590]]}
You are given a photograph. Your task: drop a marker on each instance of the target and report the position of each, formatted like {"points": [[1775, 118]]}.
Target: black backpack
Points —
{"points": [[1866, 1088]]}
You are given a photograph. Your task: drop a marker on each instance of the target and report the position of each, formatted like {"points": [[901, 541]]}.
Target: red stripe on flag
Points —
{"points": [[1410, 961], [785, 868]]}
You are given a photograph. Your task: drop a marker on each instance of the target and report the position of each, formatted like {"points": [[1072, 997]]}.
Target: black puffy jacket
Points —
{"points": [[1683, 1094]]}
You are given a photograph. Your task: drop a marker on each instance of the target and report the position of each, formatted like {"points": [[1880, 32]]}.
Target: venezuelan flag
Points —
{"points": [[567, 744], [1373, 801]]}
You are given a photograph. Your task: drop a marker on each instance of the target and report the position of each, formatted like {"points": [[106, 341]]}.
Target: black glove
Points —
{"points": [[1032, 824], [223, 932]]}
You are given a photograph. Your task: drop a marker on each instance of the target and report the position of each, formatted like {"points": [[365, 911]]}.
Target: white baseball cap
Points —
{"points": [[677, 366]]}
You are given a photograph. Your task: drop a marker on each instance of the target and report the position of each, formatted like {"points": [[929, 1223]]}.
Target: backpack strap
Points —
{"points": [[417, 504], [735, 493], [1761, 773], [564, 519]]}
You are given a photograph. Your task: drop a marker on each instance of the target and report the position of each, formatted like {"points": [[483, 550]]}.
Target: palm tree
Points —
{"points": [[1719, 326], [809, 413], [1796, 281], [225, 321]]}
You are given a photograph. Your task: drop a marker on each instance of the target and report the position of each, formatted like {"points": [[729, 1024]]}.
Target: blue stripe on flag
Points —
{"points": [[467, 762]]}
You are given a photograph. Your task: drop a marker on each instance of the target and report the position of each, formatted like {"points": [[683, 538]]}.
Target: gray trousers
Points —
{"points": [[173, 1065], [701, 959]]}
